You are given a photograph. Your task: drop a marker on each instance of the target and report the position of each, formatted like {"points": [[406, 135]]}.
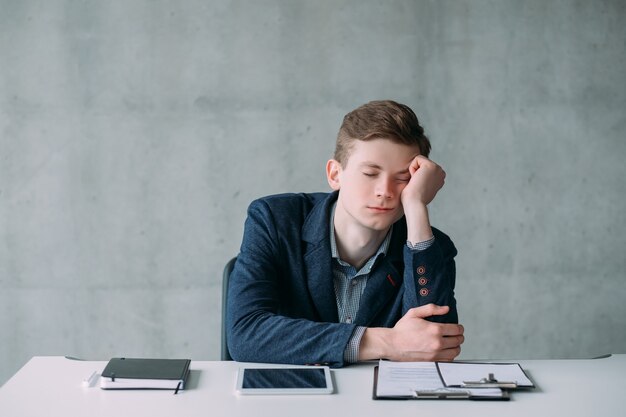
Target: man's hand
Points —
{"points": [[427, 178], [414, 339]]}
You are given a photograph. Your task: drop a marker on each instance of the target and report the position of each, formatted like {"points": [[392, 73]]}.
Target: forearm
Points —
{"points": [[430, 275], [263, 327], [271, 338], [374, 344], [418, 223], [413, 338]]}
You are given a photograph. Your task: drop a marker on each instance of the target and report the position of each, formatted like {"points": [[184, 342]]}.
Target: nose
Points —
{"points": [[384, 188]]}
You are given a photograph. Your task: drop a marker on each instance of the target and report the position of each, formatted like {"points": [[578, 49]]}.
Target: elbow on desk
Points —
{"points": [[242, 346], [236, 353], [233, 345]]}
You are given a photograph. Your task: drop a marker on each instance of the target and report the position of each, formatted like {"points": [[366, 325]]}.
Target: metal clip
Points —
{"points": [[489, 382], [442, 394]]}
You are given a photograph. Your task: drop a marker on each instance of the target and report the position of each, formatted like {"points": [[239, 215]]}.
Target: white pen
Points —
{"points": [[89, 381]]}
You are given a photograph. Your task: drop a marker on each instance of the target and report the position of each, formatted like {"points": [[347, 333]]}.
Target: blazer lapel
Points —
{"points": [[320, 283], [318, 261]]}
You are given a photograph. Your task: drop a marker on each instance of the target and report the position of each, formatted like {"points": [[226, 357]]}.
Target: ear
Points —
{"points": [[333, 169]]}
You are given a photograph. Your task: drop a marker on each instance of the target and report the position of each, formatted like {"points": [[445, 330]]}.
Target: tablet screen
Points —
{"points": [[296, 380]]}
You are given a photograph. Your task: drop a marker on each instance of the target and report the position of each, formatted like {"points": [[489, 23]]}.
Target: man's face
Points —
{"points": [[371, 182]]}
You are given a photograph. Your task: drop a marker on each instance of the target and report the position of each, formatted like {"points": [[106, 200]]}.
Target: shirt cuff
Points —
{"points": [[351, 354], [421, 245]]}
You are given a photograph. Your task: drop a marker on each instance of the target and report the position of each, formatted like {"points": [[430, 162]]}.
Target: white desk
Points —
{"points": [[52, 386]]}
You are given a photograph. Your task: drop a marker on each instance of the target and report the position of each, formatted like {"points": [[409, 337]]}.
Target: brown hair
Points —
{"points": [[383, 119]]}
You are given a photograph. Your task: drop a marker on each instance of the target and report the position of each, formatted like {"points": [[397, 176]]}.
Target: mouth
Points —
{"points": [[380, 209]]}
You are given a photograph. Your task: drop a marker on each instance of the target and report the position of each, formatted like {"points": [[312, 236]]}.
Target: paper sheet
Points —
{"points": [[455, 373], [405, 378]]}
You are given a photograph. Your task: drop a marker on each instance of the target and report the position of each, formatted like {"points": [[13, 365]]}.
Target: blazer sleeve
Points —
{"points": [[430, 276], [257, 328]]}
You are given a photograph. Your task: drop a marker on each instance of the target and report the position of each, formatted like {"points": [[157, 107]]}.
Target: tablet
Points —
{"points": [[284, 380]]}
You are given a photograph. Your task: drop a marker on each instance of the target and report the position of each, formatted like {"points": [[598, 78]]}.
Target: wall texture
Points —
{"points": [[133, 134]]}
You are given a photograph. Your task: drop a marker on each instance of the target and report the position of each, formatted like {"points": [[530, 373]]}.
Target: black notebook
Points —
{"points": [[133, 373]]}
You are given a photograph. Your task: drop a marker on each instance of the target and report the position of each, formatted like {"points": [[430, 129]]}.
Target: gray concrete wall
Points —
{"points": [[133, 134]]}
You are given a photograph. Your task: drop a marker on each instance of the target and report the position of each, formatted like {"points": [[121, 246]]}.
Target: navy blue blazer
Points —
{"points": [[281, 299]]}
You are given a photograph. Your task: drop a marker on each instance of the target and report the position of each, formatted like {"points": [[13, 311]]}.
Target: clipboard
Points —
{"points": [[483, 375], [445, 393]]}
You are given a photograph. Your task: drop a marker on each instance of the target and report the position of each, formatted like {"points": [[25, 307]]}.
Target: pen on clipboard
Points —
{"points": [[88, 382], [442, 394]]}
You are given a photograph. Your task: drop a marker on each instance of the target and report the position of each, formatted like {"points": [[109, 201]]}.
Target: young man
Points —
{"points": [[356, 274]]}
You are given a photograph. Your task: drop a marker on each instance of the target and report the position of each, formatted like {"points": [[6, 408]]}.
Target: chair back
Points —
{"points": [[225, 355]]}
